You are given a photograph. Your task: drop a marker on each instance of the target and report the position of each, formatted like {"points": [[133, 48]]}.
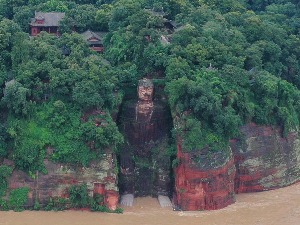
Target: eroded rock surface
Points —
{"points": [[100, 178], [204, 186], [264, 159], [261, 159]]}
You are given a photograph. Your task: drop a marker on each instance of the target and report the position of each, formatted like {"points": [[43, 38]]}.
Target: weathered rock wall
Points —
{"points": [[264, 159], [260, 160], [204, 186], [100, 178]]}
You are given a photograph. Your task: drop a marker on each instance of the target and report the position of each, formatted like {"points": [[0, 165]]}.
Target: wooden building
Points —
{"points": [[167, 24], [48, 22], [94, 40]]}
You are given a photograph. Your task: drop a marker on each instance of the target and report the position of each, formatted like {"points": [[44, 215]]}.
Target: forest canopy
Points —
{"points": [[222, 63]]}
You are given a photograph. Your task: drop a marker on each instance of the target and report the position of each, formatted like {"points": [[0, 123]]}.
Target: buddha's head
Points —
{"points": [[145, 90]]}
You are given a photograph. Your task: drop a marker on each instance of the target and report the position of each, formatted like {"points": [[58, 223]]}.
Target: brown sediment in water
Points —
{"points": [[277, 207]]}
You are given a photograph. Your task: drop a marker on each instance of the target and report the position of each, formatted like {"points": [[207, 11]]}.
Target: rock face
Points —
{"points": [[204, 186], [260, 160], [100, 178], [264, 159]]}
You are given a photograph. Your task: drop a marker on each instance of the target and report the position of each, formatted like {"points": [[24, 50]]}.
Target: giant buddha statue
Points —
{"points": [[144, 163]]}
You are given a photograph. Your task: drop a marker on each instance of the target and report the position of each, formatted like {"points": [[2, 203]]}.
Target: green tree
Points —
{"points": [[103, 16], [16, 98], [22, 16], [80, 18]]}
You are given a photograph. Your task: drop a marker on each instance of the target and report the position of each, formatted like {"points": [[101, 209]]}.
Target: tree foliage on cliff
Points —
{"points": [[48, 99], [230, 66], [224, 64]]}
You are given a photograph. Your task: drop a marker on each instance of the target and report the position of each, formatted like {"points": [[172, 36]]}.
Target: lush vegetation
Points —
{"points": [[225, 63], [5, 172], [79, 199], [50, 98], [16, 200]]}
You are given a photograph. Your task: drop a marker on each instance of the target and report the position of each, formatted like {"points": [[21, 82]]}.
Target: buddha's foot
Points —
{"points": [[164, 201], [127, 200]]}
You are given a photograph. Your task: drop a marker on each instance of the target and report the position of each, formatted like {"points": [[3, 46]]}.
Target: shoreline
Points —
{"points": [[275, 207]]}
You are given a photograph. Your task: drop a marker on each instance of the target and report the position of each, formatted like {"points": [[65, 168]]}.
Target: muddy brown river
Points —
{"points": [[278, 207]]}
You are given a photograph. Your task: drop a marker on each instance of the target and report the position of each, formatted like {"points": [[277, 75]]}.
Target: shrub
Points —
{"points": [[56, 204], [18, 198], [95, 207], [5, 172], [79, 196], [3, 205]]}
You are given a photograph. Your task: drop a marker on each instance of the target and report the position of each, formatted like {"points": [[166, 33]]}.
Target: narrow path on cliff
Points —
{"points": [[278, 207]]}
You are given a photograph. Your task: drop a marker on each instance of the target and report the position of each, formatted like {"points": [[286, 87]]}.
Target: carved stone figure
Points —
{"points": [[145, 166]]}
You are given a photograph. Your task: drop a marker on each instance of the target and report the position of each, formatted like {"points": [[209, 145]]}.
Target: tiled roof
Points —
{"points": [[51, 19], [87, 35], [156, 13]]}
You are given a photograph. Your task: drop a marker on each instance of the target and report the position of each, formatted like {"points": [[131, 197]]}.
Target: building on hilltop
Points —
{"points": [[94, 40], [168, 25], [48, 22]]}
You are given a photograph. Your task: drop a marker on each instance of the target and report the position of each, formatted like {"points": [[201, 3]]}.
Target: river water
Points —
{"points": [[277, 207]]}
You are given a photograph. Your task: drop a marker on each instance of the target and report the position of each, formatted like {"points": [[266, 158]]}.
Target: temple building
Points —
{"points": [[168, 25], [94, 40], [48, 22]]}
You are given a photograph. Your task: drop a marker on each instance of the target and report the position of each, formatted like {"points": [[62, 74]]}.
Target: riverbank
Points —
{"points": [[275, 207]]}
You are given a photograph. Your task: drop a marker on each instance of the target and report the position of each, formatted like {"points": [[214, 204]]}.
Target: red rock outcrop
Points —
{"points": [[261, 160], [264, 159], [204, 186], [100, 178]]}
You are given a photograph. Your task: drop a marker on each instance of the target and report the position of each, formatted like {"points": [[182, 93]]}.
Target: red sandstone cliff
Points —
{"points": [[264, 159], [261, 160], [204, 186], [100, 178]]}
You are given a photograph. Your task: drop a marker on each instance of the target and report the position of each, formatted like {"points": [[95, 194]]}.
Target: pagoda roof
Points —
{"points": [[91, 35], [51, 19]]}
